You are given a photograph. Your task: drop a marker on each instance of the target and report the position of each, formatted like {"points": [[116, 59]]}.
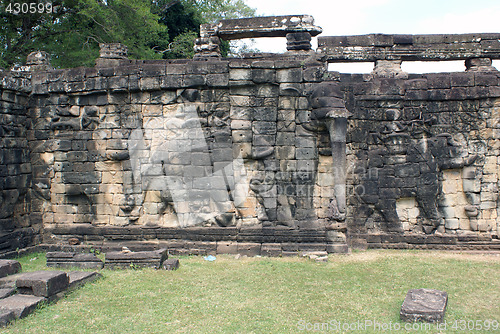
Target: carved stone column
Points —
{"points": [[298, 41], [111, 54], [389, 69], [38, 61], [208, 45]]}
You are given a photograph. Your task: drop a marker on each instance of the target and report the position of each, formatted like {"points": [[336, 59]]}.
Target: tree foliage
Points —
{"points": [[183, 18], [72, 32]]}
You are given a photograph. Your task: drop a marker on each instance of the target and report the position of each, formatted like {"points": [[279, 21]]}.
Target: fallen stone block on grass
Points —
{"points": [[42, 283], [171, 264], [73, 260], [79, 278], [21, 305], [6, 317], [128, 260], [9, 267], [427, 305]]}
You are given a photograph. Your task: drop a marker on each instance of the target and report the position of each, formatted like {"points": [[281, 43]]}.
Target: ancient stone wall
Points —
{"points": [[197, 154], [423, 156], [16, 226], [264, 154]]}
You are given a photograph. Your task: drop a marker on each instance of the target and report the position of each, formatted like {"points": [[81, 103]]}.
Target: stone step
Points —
{"points": [[79, 278], [73, 260], [21, 305], [42, 283], [6, 292], [6, 317], [124, 260]]}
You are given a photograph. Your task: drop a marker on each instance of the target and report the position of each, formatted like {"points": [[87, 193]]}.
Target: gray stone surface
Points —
{"points": [[6, 292], [410, 47], [270, 26], [129, 260], [79, 278], [21, 305], [171, 264], [73, 260], [10, 281], [427, 305], [68, 149], [42, 283], [9, 267], [6, 317]]}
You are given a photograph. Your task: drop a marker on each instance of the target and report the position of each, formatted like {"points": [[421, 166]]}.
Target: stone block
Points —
{"points": [[42, 283], [9, 267], [21, 305], [241, 124], [227, 247], [260, 75], [249, 249], [70, 259], [271, 249], [6, 317], [171, 264], [127, 259], [337, 248], [79, 278], [427, 305], [240, 74], [6, 292], [289, 75], [242, 136], [452, 224]]}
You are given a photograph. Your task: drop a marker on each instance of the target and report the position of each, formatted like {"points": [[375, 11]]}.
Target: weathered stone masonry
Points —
{"points": [[268, 154]]}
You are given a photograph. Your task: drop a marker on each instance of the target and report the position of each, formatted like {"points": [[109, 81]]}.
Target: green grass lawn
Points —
{"points": [[271, 295]]}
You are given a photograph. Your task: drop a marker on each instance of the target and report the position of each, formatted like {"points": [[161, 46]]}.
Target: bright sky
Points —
{"points": [[358, 17]]}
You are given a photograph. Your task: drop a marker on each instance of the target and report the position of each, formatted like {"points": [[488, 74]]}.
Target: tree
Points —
{"points": [[183, 18], [72, 31]]}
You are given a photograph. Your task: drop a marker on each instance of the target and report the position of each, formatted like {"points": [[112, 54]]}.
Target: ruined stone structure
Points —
{"points": [[266, 154]]}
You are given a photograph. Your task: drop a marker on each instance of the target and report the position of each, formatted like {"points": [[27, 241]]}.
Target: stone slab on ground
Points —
{"points": [[6, 317], [125, 260], [79, 278], [42, 283], [9, 267], [171, 264], [6, 292], [73, 260], [21, 305], [427, 305], [9, 281]]}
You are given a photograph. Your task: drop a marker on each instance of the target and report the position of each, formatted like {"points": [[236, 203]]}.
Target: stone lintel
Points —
{"points": [[269, 26], [410, 47], [21, 305]]}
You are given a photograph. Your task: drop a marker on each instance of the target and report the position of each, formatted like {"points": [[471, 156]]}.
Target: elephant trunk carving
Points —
{"points": [[328, 107]]}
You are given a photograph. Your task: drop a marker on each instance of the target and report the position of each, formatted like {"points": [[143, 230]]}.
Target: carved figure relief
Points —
{"points": [[407, 164]]}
